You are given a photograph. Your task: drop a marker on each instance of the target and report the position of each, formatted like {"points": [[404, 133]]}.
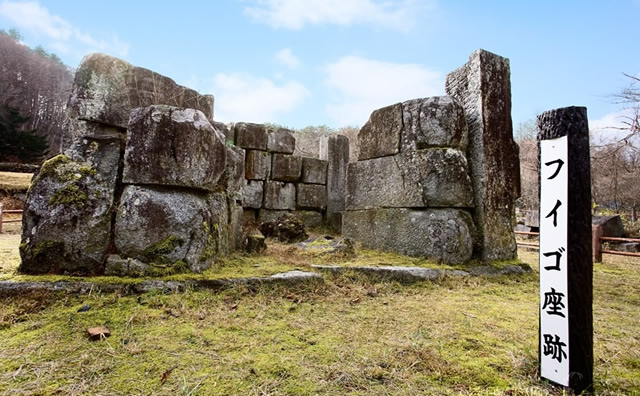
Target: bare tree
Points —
{"points": [[525, 137]]}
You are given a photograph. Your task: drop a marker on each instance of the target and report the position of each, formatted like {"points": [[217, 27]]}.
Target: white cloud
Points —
{"points": [[244, 97], [611, 127], [65, 38], [363, 85], [295, 14], [286, 58]]}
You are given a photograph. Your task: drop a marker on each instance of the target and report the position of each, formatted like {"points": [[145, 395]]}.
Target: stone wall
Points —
{"points": [[278, 182], [150, 184], [146, 184], [483, 87], [438, 177], [411, 191]]}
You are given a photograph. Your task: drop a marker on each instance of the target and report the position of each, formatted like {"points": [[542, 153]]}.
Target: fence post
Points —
{"points": [[0, 218], [596, 243]]}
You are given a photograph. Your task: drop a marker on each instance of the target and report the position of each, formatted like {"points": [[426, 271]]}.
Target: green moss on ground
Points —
{"points": [[471, 336]]}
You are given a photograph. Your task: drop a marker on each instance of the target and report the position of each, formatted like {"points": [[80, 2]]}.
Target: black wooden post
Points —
{"points": [[566, 257]]}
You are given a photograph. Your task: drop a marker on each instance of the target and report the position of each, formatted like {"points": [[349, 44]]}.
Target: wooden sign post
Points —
{"points": [[566, 266]]}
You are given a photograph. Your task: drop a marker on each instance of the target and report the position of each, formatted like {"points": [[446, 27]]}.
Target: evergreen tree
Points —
{"points": [[23, 146]]}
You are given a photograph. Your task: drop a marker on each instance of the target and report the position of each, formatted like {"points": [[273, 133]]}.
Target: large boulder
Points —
{"points": [[286, 167], [420, 178], [251, 136], [258, 165], [413, 125], [314, 171], [311, 196], [173, 147], [232, 180], [444, 235], [106, 89], [611, 225], [67, 216], [483, 87], [281, 141], [170, 231], [252, 194], [438, 121], [280, 196], [337, 160], [380, 135]]}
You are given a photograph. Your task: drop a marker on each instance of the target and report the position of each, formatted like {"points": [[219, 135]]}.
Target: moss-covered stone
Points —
{"points": [[69, 195], [157, 251]]}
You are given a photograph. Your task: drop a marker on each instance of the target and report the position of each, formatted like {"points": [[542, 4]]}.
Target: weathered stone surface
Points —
{"points": [[482, 86], [232, 179], [248, 216], [311, 196], [67, 215], [255, 242], [279, 195], [174, 147], [78, 130], [438, 121], [253, 193], [420, 178], [487, 270], [611, 225], [281, 141], [106, 89], [338, 159], [445, 235], [236, 214], [117, 266], [251, 136], [314, 171], [287, 228], [286, 167], [258, 165], [171, 230], [329, 246], [380, 136], [270, 214], [229, 133], [310, 218]]}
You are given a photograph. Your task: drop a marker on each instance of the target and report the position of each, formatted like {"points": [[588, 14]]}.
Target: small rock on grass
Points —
{"points": [[98, 333], [84, 308]]}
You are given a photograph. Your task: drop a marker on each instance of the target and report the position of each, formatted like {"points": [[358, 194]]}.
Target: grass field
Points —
{"points": [[11, 181], [350, 335]]}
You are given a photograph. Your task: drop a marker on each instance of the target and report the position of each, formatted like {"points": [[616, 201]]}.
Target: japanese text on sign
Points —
{"points": [[554, 304]]}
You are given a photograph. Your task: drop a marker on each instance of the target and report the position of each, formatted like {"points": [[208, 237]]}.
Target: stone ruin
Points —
{"points": [[438, 177], [150, 184]]}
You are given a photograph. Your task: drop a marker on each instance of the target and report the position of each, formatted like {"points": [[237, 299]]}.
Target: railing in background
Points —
{"points": [[597, 240], [11, 211]]}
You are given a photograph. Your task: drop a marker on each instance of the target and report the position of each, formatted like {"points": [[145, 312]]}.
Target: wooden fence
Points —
{"points": [[596, 243], [5, 212]]}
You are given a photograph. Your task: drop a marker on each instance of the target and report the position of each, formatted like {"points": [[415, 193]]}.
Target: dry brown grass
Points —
{"points": [[350, 335], [15, 182]]}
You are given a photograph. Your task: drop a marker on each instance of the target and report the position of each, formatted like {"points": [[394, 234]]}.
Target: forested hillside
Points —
{"points": [[35, 87]]}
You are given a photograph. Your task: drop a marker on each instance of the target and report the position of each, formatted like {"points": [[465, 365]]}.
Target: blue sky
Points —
{"points": [[312, 62]]}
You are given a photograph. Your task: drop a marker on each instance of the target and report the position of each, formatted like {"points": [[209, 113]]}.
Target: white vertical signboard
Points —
{"points": [[554, 305]]}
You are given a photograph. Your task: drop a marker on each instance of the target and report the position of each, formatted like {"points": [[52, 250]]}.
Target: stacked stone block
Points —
{"points": [[410, 190], [146, 184], [278, 182], [482, 86]]}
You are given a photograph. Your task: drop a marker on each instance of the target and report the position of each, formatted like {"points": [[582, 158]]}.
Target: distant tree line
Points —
{"points": [[35, 88], [615, 164]]}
